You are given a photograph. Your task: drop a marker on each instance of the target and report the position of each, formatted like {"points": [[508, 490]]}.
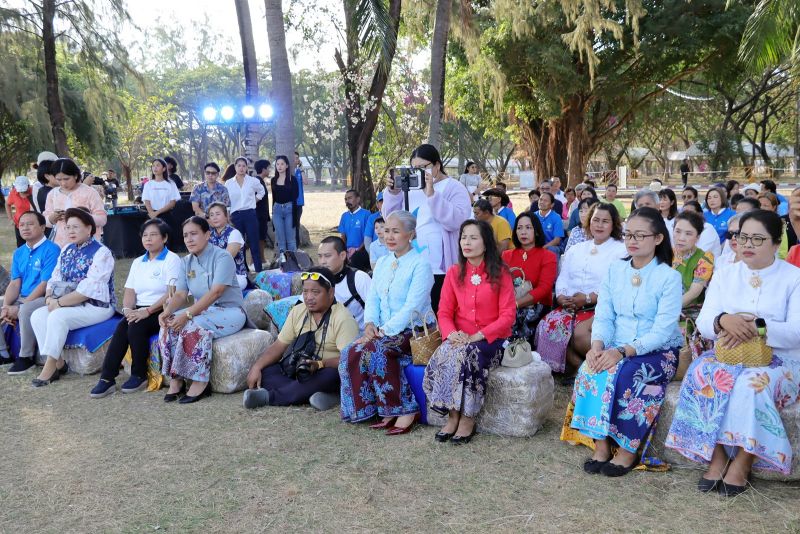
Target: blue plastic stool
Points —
{"points": [[414, 375]]}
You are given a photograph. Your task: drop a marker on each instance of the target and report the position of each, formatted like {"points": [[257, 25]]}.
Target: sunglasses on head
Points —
{"points": [[315, 277]]}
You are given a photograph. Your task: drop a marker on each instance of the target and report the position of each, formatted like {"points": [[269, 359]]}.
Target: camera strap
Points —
{"points": [[311, 334]]}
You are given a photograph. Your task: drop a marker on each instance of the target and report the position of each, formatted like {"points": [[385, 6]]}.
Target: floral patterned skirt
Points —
{"points": [[738, 407], [456, 376], [553, 335], [374, 381], [623, 403]]}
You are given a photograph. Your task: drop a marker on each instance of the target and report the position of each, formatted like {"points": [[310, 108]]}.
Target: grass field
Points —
{"points": [[135, 464]]}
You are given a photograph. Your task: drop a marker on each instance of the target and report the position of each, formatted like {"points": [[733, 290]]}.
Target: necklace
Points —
{"points": [[755, 281]]}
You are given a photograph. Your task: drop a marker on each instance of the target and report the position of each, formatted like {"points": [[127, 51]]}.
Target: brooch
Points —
{"points": [[475, 279], [755, 281], [593, 251], [636, 280], [190, 274]]}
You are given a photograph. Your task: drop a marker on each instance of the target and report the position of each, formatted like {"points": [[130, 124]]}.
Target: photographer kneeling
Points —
{"points": [[302, 364]]}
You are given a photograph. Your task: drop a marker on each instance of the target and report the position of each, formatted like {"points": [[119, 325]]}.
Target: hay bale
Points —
{"points": [[232, 357], [254, 305], [517, 400], [791, 422], [80, 360]]}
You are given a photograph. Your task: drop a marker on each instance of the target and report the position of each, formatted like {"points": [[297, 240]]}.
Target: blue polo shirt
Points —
{"points": [[551, 225], [353, 225], [370, 231], [298, 175], [719, 221], [34, 266], [508, 214]]}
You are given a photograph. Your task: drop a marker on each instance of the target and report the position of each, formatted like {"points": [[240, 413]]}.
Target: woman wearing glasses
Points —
{"points": [[728, 416], [372, 368], [209, 192], [209, 274], [634, 350]]}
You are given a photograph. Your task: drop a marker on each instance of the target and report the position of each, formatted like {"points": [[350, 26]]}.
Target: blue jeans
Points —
{"points": [[246, 221], [283, 221]]}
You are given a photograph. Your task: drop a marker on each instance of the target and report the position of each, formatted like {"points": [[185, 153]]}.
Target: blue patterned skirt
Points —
{"points": [[374, 381], [623, 403]]}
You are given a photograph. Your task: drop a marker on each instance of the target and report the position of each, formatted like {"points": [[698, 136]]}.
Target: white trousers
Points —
{"points": [[51, 328]]}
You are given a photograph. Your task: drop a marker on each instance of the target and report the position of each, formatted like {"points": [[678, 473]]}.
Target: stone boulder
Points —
{"points": [[789, 416], [305, 237], [232, 357], [517, 400], [254, 304], [82, 361]]}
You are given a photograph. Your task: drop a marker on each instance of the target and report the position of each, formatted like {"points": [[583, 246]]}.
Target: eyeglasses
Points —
{"points": [[211, 173], [636, 237], [315, 277], [731, 235], [756, 240]]}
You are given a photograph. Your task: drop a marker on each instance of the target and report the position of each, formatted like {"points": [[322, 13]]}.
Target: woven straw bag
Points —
{"points": [[752, 353], [424, 345], [524, 287]]}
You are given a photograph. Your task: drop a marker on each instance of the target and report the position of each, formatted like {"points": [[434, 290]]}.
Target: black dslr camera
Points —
{"points": [[407, 178]]}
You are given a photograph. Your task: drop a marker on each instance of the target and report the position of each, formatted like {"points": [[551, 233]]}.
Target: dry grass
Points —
{"points": [[135, 464]]}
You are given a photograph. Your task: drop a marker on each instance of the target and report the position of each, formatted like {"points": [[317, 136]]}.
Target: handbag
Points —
{"points": [[691, 349], [517, 353], [60, 288], [424, 345], [524, 286], [752, 353]]}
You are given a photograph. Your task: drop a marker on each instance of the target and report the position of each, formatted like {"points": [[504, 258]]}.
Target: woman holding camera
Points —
{"points": [[71, 193], [724, 407], [439, 207], [209, 274], [372, 368]]}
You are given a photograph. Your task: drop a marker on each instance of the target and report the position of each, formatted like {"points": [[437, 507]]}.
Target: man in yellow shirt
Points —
{"points": [[611, 197], [483, 211]]}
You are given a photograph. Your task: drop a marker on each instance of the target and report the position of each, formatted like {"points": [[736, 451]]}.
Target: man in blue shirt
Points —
{"points": [[369, 233], [31, 268], [353, 223], [552, 225], [300, 176]]}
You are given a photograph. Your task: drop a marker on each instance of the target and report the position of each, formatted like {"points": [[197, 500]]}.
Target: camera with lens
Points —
{"points": [[407, 178], [304, 369]]}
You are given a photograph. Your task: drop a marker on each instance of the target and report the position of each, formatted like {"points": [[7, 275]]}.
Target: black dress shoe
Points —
{"points": [[593, 467], [188, 399], [463, 440], [616, 470], [172, 397], [731, 490], [705, 485], [57, 374], [442, 437]]}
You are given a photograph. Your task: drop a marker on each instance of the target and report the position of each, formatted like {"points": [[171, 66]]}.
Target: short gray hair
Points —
{"points": [[406, 220], [736, 219], [644, 193]]}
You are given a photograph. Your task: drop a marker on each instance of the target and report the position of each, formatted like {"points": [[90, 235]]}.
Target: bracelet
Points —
{"points": [[717, 324]]}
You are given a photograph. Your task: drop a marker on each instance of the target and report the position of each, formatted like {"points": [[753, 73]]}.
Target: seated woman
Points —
{"points": [[635, 342], [456, 376], [372, 368], [581, 233], [563, 336], [209, 274], [668, 206], [79, 293], [694, 264], [769, 202], [226, 237], [144, 297], [539, 267], [708, 240], [730, 411]]}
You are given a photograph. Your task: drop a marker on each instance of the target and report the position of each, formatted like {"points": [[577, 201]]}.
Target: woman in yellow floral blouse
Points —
{"points": [[695, 265]]}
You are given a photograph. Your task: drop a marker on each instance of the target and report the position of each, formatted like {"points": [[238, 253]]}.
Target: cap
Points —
{"points": [[45, 156], [380, 196], [751, 187], [655, 186], [21, 184]]}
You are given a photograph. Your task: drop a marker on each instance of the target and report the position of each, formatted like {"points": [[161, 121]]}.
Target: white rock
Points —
{"points": [[232, 357], [254, 305], [517, 400]]}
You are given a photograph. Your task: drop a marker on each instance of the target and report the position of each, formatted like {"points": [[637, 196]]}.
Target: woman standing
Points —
{"points": [[209, 192], [17, 203], [209, 274], [144, 297], [471, 179], [160, 194], [71, 193], [440, 208], [226, 237], [284, 205], [717, 212], [727, 416], [245, 191], [538, 265], [79, 293], [372, 368], [635, 342], [476, 313]]}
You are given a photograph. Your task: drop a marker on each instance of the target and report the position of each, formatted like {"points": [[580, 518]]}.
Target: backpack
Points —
{"points": [[351, 286], [295, 261]]}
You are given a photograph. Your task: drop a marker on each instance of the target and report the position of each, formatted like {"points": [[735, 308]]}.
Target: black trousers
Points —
{"points": [[436, 291], [299, 211], [20, 241], [284, 391], [135, 335]]}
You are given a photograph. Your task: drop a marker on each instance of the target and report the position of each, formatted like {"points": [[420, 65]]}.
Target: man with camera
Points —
{"points": [[301, 366]]}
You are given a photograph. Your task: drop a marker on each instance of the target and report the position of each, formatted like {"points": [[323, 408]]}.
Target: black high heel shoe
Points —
{"points": [[188, 399], [57, 374], [172, 397]]}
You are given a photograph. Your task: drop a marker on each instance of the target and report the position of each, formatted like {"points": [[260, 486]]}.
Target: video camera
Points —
{"points": [[407, 178]]}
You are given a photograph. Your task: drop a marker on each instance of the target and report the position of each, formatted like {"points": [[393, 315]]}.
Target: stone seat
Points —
{"points": [[791, 422]]}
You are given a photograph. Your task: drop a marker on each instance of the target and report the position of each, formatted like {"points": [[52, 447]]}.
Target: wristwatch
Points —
{"points": [[189, 315], [621, 350]]}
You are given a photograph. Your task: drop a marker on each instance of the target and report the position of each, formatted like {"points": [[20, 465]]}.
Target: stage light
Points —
{"points": [[226, 113], [248, 111], [265, 111], [210, 113]]}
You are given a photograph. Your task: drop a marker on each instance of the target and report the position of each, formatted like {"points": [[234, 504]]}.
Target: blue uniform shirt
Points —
{"points": [[370, 231], [298, 175], [34, 266], [551, 225], [353, 225], [719, 221], [508, 214]]}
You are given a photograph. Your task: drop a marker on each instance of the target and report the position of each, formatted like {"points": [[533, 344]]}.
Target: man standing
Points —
{"points": [[31, 268], [262, 206], [302, 179], [112, 187], [353, 222], [352, 285], [685, 169]]}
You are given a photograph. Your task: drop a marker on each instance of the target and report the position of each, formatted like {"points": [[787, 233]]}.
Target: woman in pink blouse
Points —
{"points": [[71, 193], [476, 312]]}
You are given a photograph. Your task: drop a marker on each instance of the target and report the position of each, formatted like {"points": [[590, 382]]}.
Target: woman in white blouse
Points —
{"points": [[144, 297], [160, 195], [563, 337], [709, 239], [80, 293], [245, 191], [724, 408]]}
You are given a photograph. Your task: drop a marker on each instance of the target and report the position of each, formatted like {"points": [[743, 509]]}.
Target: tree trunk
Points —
{"points": [[250, 63], [127, 175], [281, 80], [54, 107], [441, 29]]}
